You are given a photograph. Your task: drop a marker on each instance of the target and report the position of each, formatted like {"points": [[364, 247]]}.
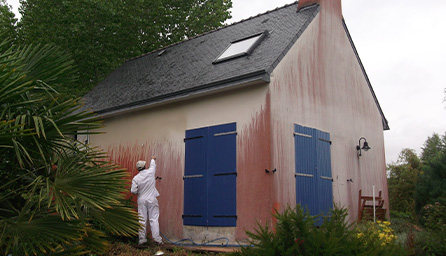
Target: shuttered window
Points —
{"points": [[210, 176], [314, 190], [195, 176]]}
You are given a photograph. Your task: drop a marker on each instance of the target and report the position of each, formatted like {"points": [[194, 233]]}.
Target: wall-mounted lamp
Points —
{"points": [[365, 146]]}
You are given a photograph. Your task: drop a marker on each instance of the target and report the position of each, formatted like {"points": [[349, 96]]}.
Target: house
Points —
{"points": [[248, 119]]}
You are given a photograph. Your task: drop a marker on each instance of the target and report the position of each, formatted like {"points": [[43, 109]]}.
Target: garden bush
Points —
{"points": [[432, 240], [296, 234]]}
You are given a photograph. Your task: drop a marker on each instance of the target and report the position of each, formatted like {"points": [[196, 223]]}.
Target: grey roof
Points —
{"points": [[187, 67]]}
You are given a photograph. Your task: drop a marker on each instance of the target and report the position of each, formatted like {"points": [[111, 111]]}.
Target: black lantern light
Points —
{"points": [[365, 146]]}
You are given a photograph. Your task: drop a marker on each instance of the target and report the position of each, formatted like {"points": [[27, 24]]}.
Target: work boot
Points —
{"points": [[142, 244]]}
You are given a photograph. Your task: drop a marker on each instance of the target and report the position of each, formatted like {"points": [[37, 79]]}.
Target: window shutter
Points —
{"points": [[195, 176], [325, 180], [210, 174], [305, 168], [222, 175], [314, 188]]}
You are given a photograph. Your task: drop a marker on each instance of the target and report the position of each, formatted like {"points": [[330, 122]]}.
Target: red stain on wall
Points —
{"points": [[254, 185], [320, 84], [170, 187], [275, 210]]}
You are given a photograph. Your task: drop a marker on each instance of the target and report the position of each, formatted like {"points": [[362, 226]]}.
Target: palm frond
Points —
{"points": [[118, 220], [54, 190], [47, 62], [40, 234], [98, 185]]}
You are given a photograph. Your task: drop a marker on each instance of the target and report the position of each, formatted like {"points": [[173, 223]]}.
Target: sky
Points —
{"points": [[402, 45]]}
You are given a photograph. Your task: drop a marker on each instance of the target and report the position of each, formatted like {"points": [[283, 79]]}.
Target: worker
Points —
{"points": [[143, 185]]}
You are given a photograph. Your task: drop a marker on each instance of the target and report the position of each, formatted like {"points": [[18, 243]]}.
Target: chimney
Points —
{"points": [[303, 3], [331, 6]]}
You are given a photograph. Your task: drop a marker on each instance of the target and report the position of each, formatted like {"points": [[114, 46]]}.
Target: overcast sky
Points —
{"points": [[402, 45]]}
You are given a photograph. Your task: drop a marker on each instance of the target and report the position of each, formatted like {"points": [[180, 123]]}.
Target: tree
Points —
{"points": [[431, 187], [7, 21], [100, 35], [96, 33], [56, 195], [432, 146], [402, 181]]}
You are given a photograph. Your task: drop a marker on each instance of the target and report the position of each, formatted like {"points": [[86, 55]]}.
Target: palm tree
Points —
{"points": [[57, 196]]}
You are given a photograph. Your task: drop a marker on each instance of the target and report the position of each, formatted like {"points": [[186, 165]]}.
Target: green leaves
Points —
{"points": [[58, 196], [7, 21], [101, 35], [402, 180], [42, 234], [296, 234], [414, 182]]}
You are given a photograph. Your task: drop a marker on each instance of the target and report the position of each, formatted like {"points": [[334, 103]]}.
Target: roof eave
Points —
{"points": [[210, 88], [297, 36], [384, 120]]}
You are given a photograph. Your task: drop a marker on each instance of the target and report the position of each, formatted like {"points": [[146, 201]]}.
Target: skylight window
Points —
{"points": [[240, 47]]}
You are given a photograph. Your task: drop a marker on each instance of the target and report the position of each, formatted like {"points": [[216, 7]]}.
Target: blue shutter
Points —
{"points": [[195, 176], [222, 175], [325, 184], [305, 168], [314, 189], [210, 176]]}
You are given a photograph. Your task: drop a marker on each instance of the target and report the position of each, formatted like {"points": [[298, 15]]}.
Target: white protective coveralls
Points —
{"points": [[143, 185]]}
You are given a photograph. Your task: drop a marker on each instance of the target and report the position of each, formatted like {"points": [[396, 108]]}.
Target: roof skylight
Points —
{"points": [[240, 47]]}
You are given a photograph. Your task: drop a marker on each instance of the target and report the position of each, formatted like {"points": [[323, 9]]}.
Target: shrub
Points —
{"points": [[296, 234], [378, 234], [405, 229], [432, 241]]}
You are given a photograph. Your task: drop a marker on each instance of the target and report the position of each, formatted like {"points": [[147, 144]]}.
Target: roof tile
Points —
{"points": [[187, 67]]}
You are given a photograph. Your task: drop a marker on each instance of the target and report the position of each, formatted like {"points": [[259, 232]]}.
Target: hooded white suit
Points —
{"points": [[143, 185]]}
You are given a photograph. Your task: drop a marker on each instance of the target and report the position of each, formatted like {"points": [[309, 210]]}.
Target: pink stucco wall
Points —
{"points": [[320, 84]]}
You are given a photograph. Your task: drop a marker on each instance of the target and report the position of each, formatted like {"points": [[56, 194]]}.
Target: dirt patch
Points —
{"points": [[121, 249]]}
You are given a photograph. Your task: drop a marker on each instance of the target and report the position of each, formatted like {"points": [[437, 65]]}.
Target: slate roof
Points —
{"points": [[187, 67]]}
